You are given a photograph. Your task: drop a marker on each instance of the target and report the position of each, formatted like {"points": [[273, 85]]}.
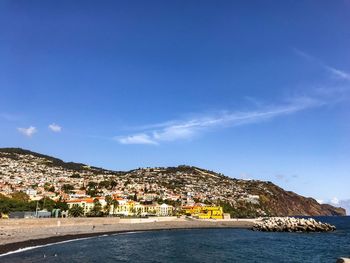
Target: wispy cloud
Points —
{"points": [[335, 72], [55, 128], [141, 138], [29, 132], [180, 130], [173, 130], [8, 117]]}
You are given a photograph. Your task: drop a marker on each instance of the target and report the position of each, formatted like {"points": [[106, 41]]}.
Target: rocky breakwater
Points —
{"points": [[292, 224]]}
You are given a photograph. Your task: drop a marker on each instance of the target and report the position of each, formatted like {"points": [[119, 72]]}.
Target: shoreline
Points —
{"points": [[19, 234]]}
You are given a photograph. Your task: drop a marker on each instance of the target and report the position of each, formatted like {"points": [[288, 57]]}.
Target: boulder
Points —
{"points": [[291, 224], [343, 260]]}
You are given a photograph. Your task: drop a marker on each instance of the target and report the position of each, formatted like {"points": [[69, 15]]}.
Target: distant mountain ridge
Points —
{"points": [[239, 197]]}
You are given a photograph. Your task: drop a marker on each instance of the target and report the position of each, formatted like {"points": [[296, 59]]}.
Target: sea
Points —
{"points": [[198, 245]]}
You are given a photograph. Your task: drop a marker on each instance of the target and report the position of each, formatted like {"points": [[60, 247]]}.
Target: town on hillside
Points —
{"points": [[32, 184], [55, 190]]}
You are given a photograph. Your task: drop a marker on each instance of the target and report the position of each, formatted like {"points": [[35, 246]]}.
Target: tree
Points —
{"points": [[113, 184], [92, 189], [20, 196], [97, 209], [92, 184], [75, 175], [115, 204], [133, 211], [76, 211], [92, 192], [47, 186], [104, 184], [152, 211], [8, 204], [47, 203], [63, 206], [4, 205], [67, 188], [109, 201]]}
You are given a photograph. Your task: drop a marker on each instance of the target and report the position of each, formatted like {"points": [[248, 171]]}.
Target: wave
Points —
{"points": [[45, 245]]}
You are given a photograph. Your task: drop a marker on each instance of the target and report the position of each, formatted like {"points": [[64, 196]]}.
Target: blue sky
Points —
{"points": [[255, 90]]}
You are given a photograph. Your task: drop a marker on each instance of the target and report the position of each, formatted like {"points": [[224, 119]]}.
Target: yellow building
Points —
{"points": [[204, 212], [125, 207]]}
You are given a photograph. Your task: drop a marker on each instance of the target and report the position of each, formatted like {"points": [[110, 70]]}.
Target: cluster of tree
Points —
{"points": [[92, 189], [67, 188], [19, 201], [16, 203], [75, 175], [49, 187], [240, 210], [108, 184]]}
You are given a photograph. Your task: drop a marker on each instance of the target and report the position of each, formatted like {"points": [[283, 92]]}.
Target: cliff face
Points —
{"points": [[286, 203], [22, 169]]}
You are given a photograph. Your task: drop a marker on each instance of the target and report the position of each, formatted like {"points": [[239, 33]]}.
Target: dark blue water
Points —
{"points": [[208, 245]]}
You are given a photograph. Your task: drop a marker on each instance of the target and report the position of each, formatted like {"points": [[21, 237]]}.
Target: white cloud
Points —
{"points": [[335, 201], [136, 139], [174, 132], [345, 204], [55, 128], [320, 201], [27, 131], [180, 130]]}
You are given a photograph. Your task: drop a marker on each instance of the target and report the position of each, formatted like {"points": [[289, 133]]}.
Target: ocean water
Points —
{"points": [[204, 245]]}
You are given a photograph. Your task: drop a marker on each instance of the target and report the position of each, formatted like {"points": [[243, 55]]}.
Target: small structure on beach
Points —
{"points": [[4, 215], [22, 214], [43, 214]]}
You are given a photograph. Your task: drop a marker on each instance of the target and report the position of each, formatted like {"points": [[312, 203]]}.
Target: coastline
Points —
{"points": [[18, 234]]}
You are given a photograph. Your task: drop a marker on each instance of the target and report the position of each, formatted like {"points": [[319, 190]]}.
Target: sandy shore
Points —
{"points": [[21, 233]]}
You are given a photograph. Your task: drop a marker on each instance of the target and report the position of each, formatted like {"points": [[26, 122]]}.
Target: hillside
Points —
{"points": [[23, 170]]}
